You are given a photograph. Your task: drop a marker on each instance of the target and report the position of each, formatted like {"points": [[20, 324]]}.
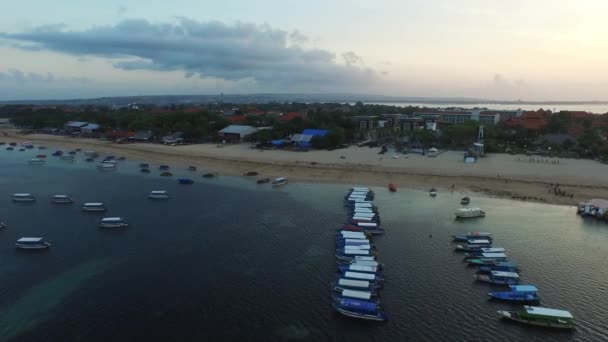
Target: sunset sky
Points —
{"points": [[529, 50]]}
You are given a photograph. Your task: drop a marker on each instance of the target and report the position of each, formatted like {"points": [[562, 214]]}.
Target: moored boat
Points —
{"points": [[349, 284], [506, 266], [2, 225], [279, 181], [61, 199], [185, 181], [470, 213], [41, 156], [360, 309], [144, 170], [164, 167], [191, 168], [36, 161], [57, 153], [113, 222], [159, 194], [543, 317], [144, 166], [518, 293], [93, 206], [105, 166], [360, 268], [9, 148], [166, 174], [392, 187], [67, 157], [481, 251], [24, 197], [208, 175], [89, 160], [433, 192], [32, 243], [465, 200], [263, 181], [472, 235], [498, 278], [488, 261]]}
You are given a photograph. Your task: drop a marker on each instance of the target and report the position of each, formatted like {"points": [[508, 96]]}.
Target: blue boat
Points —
{"points": [[506, 266], [163, 167], [57, 153], [144, 165], [499, 278], [474, 245], [372, 278], [518, 293], [360, 309], [185, 181], [369, 296]]}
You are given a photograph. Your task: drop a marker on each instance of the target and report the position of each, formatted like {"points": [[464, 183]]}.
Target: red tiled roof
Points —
{"points": [[256, 112], [236, 118], [119, 134], [290, 116]]}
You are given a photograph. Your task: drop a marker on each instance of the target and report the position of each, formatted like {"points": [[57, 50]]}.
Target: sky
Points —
{"points": [[531, 50]]}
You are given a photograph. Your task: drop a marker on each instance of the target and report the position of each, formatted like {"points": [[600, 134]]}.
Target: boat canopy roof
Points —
{"points": [[22, 195], [493, 250], [507, 264], [505, 274], [359, 247], [93, 204], [112, 219], [60, 196], [524, 288], [536, 310], [478, 241], [352, 251], [355, 188], [493, 255], [158, 192], [357, 275], [351, 235], [353, 283], [357, 294], [356, 241], [468, 210], [371, 263], [30, 239], [364, 213], [363, 218], [362, 268], [484, 234], [358, 305], [364, 224]]}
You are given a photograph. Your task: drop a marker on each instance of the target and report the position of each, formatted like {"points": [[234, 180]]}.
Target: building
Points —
{"points": [[458, 117], [236, 133], [5, 123], [365, 122], [533, 121], [90, 128]]}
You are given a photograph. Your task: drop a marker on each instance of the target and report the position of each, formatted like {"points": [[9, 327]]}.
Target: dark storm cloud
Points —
{"points": [[207, 49]]}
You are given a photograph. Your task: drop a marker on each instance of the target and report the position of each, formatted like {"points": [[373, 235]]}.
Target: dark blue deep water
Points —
{"points": [[228, 260]]}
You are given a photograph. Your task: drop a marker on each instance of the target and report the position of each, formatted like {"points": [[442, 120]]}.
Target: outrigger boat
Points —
{"points": [[24, 197], [542, 317], [93, 207], [488, 259], [360, 309], [32, 243], [463, 237], [498, 278], [506, 266], [113, 222], [518, 293], [477, 254], [279, 182], [469, 213], [61, 199], [159, 194], [36, 161]]}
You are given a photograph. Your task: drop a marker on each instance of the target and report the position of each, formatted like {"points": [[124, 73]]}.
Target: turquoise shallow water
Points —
{"points": [[226, 259]]}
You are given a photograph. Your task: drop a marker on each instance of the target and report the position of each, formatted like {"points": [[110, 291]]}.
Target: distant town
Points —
{"points": [[303, 126]]}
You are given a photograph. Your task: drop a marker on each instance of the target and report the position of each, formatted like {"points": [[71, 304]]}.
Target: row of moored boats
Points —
{"points": [[356, 291], [106, 222], [494, 267]]}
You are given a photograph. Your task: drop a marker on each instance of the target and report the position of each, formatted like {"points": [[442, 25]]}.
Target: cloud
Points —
{"points": [[206, 49]]}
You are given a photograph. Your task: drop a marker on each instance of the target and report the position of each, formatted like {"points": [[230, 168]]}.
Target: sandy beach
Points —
{"points": [[499, 175]]}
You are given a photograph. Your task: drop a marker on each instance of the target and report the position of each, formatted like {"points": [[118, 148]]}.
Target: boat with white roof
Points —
{"points": [[488, 259], [498, 278], [61, 199], [477, 254], [93, 206], [355, 294], [158, 194], [542, 317], [32, 243], [351, 284], [113, 222], [23, 197], [106, 166], [279, 182], [463, 237], [470, 213]]}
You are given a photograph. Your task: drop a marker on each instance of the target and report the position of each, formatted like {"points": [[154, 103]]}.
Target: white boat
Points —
{"points": [[113, 222], [93, 207], [24, 197], [279, 181], [36, 161], [158, 194], [32, 243], [470, 213], [61, 199], [106, 166]]}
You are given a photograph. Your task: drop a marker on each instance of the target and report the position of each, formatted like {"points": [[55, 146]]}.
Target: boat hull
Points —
{"points": [[113, 225], [380, 317], [510, 315], [487, 279], [513, 297], [24, 200], [33, 247]]}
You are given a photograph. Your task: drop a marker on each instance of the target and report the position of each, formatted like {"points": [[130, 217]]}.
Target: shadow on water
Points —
{"points": [[35, 306]]}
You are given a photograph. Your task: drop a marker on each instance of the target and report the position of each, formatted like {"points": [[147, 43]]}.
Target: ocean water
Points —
{"points": [[596, 108], [228, 260]]}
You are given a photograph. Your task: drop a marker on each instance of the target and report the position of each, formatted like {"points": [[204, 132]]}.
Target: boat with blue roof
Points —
{"points": [[360, 309], [360, 268], [498, 278], [518, 293]]}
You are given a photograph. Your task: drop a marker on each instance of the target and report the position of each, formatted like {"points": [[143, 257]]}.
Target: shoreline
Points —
{"points": [[355, 166]]}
